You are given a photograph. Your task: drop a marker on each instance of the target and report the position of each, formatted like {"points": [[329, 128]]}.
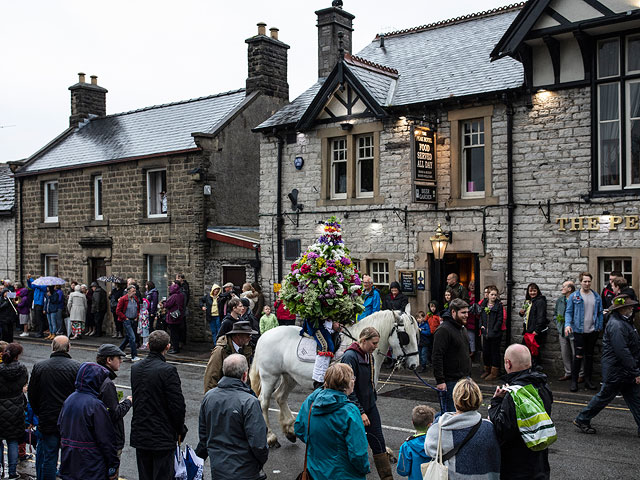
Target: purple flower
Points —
{"points": [[331, 263], [319, 274], [314, 281], [340, 277], [345, 261], [296, 271], [312, 255], [332, 292], [356, 280]]}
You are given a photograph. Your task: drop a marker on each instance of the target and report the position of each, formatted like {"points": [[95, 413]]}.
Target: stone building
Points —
{"points": [[516, 129], [153, 192], [7, 224]]}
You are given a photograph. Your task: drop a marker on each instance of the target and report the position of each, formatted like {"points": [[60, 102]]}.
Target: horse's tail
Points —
{"points": [[254, 376]]}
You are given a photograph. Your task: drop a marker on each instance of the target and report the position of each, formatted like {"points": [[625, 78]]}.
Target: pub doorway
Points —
{"points": [[465, 265], [97, 268]]}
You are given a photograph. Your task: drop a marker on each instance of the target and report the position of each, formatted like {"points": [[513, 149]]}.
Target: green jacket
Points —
{"points": [[558, 313]]}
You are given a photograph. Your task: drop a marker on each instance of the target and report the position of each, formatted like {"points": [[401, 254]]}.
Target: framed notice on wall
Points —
{"points": [[407, 280], [424, 193]]}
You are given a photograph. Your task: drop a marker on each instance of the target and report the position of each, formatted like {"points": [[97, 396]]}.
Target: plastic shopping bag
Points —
{"points": [[179, 465], [194, 464]]}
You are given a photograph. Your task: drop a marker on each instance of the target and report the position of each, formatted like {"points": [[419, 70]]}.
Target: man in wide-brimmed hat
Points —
{"points": [[620, 364], [235, 341]]}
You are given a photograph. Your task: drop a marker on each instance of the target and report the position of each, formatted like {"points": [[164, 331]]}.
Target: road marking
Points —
{"points": [[122, 386], [388, 427]]}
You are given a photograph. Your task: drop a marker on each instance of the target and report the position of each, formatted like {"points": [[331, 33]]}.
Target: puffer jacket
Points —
{"points": [[52, 381], [364, 394], [574, 314], [620, 350], [232, 431], [412, 456], [337, 440], [87, 437], [13, 377], [518, 461], [23, 305]]}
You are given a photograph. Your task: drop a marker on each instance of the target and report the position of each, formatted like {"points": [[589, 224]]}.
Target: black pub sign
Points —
{"points": [[425, 193], [424, 154]]}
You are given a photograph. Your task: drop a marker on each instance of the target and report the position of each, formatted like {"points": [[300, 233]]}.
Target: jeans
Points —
{"points": [[374, 431], [58, 321], [608, 391], [425, 350], [567, 351], [472, 340], [448, 397], [584, 344], [214, 325], [47, 456], [12, 455], [129, 337]]}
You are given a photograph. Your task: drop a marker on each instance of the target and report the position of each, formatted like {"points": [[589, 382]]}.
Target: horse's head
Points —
{"points": [[404, 339]]}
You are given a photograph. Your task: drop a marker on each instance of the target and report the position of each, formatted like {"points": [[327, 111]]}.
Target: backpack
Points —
{"points": [[535, 425]]}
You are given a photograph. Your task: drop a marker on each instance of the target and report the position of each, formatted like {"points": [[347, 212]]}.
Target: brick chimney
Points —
{"points": [[267, 59], [87, 99], [331, 21]]}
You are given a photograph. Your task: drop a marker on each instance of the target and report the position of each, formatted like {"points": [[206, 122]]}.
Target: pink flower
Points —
{"points": [[331, 271], [305, 268]]}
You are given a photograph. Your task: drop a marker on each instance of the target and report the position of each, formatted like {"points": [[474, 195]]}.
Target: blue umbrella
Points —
{"points": [[47, 281]]}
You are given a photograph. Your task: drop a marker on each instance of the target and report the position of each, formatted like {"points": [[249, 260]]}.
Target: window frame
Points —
{"points": [[603, 273], [464, 193], [45, 259], [98, 212], [623, 79], [149, 261], [333, 162], [359, 160], [371, 271], [47, 218], [149, 172], [352, 197]]}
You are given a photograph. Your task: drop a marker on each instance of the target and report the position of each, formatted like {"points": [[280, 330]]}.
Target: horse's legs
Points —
{"points": [[268, 385], [286, 417]]}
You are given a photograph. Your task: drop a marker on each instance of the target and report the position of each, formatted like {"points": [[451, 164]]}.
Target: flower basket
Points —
{"points": [[323, 283]]}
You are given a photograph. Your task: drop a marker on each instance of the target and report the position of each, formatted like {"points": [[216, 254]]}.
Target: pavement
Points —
{"points": [[611, 454]]}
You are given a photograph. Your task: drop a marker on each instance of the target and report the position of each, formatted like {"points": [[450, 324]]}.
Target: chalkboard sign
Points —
{"points": [[425, 193], [407, 281], [424, 154]]}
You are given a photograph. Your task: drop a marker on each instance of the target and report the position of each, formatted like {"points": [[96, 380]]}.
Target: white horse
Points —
{"points": [[276, 369]]}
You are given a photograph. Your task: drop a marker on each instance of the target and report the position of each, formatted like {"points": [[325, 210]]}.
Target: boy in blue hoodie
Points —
{"points": [[412, 454]]}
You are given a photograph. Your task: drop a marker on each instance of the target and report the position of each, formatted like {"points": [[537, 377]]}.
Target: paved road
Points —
{"points": [[611, 454]]}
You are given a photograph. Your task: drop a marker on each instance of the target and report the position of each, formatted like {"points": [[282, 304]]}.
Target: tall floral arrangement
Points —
{"points": [[323, 283]]}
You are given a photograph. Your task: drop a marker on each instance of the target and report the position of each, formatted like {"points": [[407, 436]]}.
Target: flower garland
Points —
{"points": [[323, 283]]}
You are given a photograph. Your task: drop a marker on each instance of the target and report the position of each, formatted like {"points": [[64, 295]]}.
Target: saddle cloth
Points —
{"points": [[307, 348]]}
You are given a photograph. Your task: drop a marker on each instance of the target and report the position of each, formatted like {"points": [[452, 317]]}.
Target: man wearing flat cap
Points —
{"points": [[620, 365], [110, 357], [235, 341]]}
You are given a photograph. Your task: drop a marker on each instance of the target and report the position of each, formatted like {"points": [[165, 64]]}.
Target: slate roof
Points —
{"points": [[7, 189], [434, 62], [138, 133]]}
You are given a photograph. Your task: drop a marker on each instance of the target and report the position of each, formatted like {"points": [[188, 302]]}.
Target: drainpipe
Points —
{"points": [[279, 217], [21, 232], [511, 206]]}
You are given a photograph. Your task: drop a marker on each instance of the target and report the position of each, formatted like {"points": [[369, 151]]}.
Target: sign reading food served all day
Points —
{"points": [[424, 165]]}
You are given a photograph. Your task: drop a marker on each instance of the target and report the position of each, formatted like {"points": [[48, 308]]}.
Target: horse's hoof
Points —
{"points": [[291, 437], [273, 444]]}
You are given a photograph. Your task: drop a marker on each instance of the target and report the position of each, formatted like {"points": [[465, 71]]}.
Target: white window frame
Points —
{"points": [[463, 187], [335, 195], [604, 273], [628, 120], [47, 273], [379, 271], [359, 159], [149, 173], [98, 197], [47, 218]]}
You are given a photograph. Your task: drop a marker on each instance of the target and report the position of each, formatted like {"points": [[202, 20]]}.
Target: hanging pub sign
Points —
{"points": [[424, 154]]}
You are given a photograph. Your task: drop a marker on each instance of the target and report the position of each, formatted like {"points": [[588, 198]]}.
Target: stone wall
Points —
{"points": [[552, 162], [7, 247]]}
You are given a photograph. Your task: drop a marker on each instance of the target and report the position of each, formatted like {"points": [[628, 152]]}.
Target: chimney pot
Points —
{"points": [[80, 77], [274, 33], [94, 80], [262, 28]]}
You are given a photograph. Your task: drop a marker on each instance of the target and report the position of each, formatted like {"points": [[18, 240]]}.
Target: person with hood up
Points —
{"points": [[359, 356], [519, 462], [331, 426], [479, 457], [395, 299], [174, 307], [23, 310], [13, 379], [209, 305], [88, 439]]}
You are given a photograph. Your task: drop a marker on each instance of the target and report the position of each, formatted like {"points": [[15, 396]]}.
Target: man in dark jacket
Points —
{"points": [[620, 364], [451, 342], [457, 289], [52, 381], [8, 315], [110, 357], [116, 292], [236, 444], [395, 299], [519, 462], [607, 292], [235, 310], [98, 308], [88, 437], [158, 411]]}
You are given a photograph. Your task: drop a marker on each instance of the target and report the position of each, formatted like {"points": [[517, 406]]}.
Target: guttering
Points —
{"points": [[511, 206]]}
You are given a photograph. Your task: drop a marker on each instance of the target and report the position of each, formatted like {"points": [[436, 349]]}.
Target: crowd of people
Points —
{"points": [[78, 414]]}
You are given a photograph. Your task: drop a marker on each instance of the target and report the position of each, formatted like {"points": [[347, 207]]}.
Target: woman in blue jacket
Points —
{"points": [[334, 432], [51, 306]]}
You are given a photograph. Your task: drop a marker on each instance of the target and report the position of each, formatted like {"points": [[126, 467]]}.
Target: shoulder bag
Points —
{"points": [[305, 475], [435, 469]]}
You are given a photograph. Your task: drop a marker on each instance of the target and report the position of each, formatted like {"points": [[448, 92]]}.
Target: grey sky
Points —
{"points": [[151, 52]]}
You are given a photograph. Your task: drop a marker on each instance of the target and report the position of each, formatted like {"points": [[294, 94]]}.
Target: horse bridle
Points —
{"points": [[403, 336]]}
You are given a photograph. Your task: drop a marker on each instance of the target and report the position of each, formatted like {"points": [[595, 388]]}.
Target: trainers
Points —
{"points": [[135, 359], [24, 334], [584, 427]]}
